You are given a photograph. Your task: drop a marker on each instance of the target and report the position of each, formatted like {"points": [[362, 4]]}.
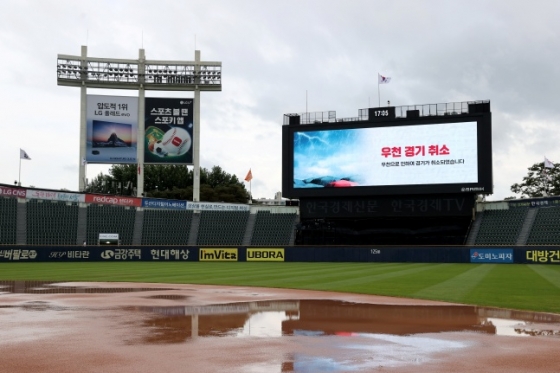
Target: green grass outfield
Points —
{"points": [[516, 286]]}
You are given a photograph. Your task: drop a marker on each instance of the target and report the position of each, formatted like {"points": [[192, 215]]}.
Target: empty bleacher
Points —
{"points": [[8, 220], [273, 229], [110, 219], [222, 227], [546, 227], [51, 222], [501, 227], [166, 227]]}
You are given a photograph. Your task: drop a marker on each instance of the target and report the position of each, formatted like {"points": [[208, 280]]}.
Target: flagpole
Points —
{"points": [[85, 176], [545, 182], [19, 177]]}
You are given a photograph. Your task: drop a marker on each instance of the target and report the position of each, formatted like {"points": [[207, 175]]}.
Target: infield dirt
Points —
{"points": [[130, 327]]}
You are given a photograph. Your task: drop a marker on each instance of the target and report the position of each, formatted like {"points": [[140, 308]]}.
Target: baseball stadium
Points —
{"points": [[382, 254]]}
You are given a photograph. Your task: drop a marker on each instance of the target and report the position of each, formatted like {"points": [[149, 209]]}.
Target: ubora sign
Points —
{"points": [[265, 255]]}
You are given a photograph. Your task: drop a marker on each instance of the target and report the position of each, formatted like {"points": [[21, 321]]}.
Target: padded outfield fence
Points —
{"points": [[397, 254]]}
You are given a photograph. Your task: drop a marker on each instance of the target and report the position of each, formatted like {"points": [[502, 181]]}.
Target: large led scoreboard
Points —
{"points": [[427, 149]]}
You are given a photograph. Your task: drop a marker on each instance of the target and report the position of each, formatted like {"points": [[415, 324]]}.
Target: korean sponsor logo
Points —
{"points": [[71, 197], [216, 206], [491, 255], [107, 254], [122, 254], [543, 256], [18, 254], [56, 196], [217, 255], [15, 192], [265, 255], [169, 254], [168, 204]]}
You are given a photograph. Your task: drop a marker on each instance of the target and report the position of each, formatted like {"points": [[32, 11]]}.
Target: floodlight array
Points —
{"points": [[74, 71]]}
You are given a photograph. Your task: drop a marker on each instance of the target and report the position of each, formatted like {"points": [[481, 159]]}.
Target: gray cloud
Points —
{"points": [[283, 57]]}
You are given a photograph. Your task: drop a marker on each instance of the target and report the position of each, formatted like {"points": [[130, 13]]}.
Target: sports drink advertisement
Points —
{"points": [[169, 130]]}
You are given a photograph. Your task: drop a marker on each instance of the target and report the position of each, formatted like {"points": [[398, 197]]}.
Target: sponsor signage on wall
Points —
{"points": [[113, 200], [211, 206], [55, 196], [12, 192], [265, 255], [491, 255], [167, 204], [217, 255]]}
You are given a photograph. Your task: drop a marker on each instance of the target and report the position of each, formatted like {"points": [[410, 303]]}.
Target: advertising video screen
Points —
{"points": [[441, 155]]}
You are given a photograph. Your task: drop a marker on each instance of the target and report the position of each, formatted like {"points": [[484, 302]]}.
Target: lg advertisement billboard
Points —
{"points": [[111, 125], [448, 154]]}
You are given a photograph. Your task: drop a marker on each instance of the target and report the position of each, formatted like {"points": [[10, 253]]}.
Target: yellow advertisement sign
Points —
{"points": [[217, 255], [265, 255]]}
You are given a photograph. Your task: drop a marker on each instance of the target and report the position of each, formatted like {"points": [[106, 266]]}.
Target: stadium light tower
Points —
{"points": [[141, 75]]}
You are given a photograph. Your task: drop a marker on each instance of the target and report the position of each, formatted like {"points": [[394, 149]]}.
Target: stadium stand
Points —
{"points": [[110, 219], [222, 227], [47, 222], [8, 220], [166, 227], [546, 227], [273, 229], [51, 222], [501, 227]]}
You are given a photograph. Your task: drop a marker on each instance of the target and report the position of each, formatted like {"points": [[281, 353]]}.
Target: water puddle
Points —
{"points": [[345, 336], [335, 318]]}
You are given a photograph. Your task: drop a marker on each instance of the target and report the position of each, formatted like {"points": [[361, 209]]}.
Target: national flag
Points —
{"points": [[383, 79], [23, 154], [547, 163], [249, 176]]}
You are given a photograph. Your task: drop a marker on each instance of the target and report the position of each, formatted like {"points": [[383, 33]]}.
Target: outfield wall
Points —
{"points": [[381, 254]]}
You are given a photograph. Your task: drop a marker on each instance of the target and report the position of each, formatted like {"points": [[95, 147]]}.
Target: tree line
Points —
{"points": [[171, 182]]}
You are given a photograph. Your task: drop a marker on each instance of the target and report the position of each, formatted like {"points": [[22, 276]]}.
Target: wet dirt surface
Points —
{"points": [[126, 327]]}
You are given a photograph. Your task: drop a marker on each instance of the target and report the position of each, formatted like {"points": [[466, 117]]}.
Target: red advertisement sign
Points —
{"points": [[114, 200], [14, 192]]}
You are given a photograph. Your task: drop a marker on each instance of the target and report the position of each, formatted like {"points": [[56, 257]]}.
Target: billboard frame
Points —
{"points": [[141, 75]]}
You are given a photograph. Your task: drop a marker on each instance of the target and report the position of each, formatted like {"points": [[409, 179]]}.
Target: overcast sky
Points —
{"points": [[283, 57]]}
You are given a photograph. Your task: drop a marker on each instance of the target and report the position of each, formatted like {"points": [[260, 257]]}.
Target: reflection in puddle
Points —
{"points": [[345, 336], [314, 318]]}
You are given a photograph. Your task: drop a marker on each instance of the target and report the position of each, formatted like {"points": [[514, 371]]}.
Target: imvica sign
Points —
{"points": [[265, 255], [217, 255], [113, 200]]}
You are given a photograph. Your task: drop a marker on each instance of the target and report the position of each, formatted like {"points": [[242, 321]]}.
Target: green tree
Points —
{"points": [[171, 182], [539, 182]]}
